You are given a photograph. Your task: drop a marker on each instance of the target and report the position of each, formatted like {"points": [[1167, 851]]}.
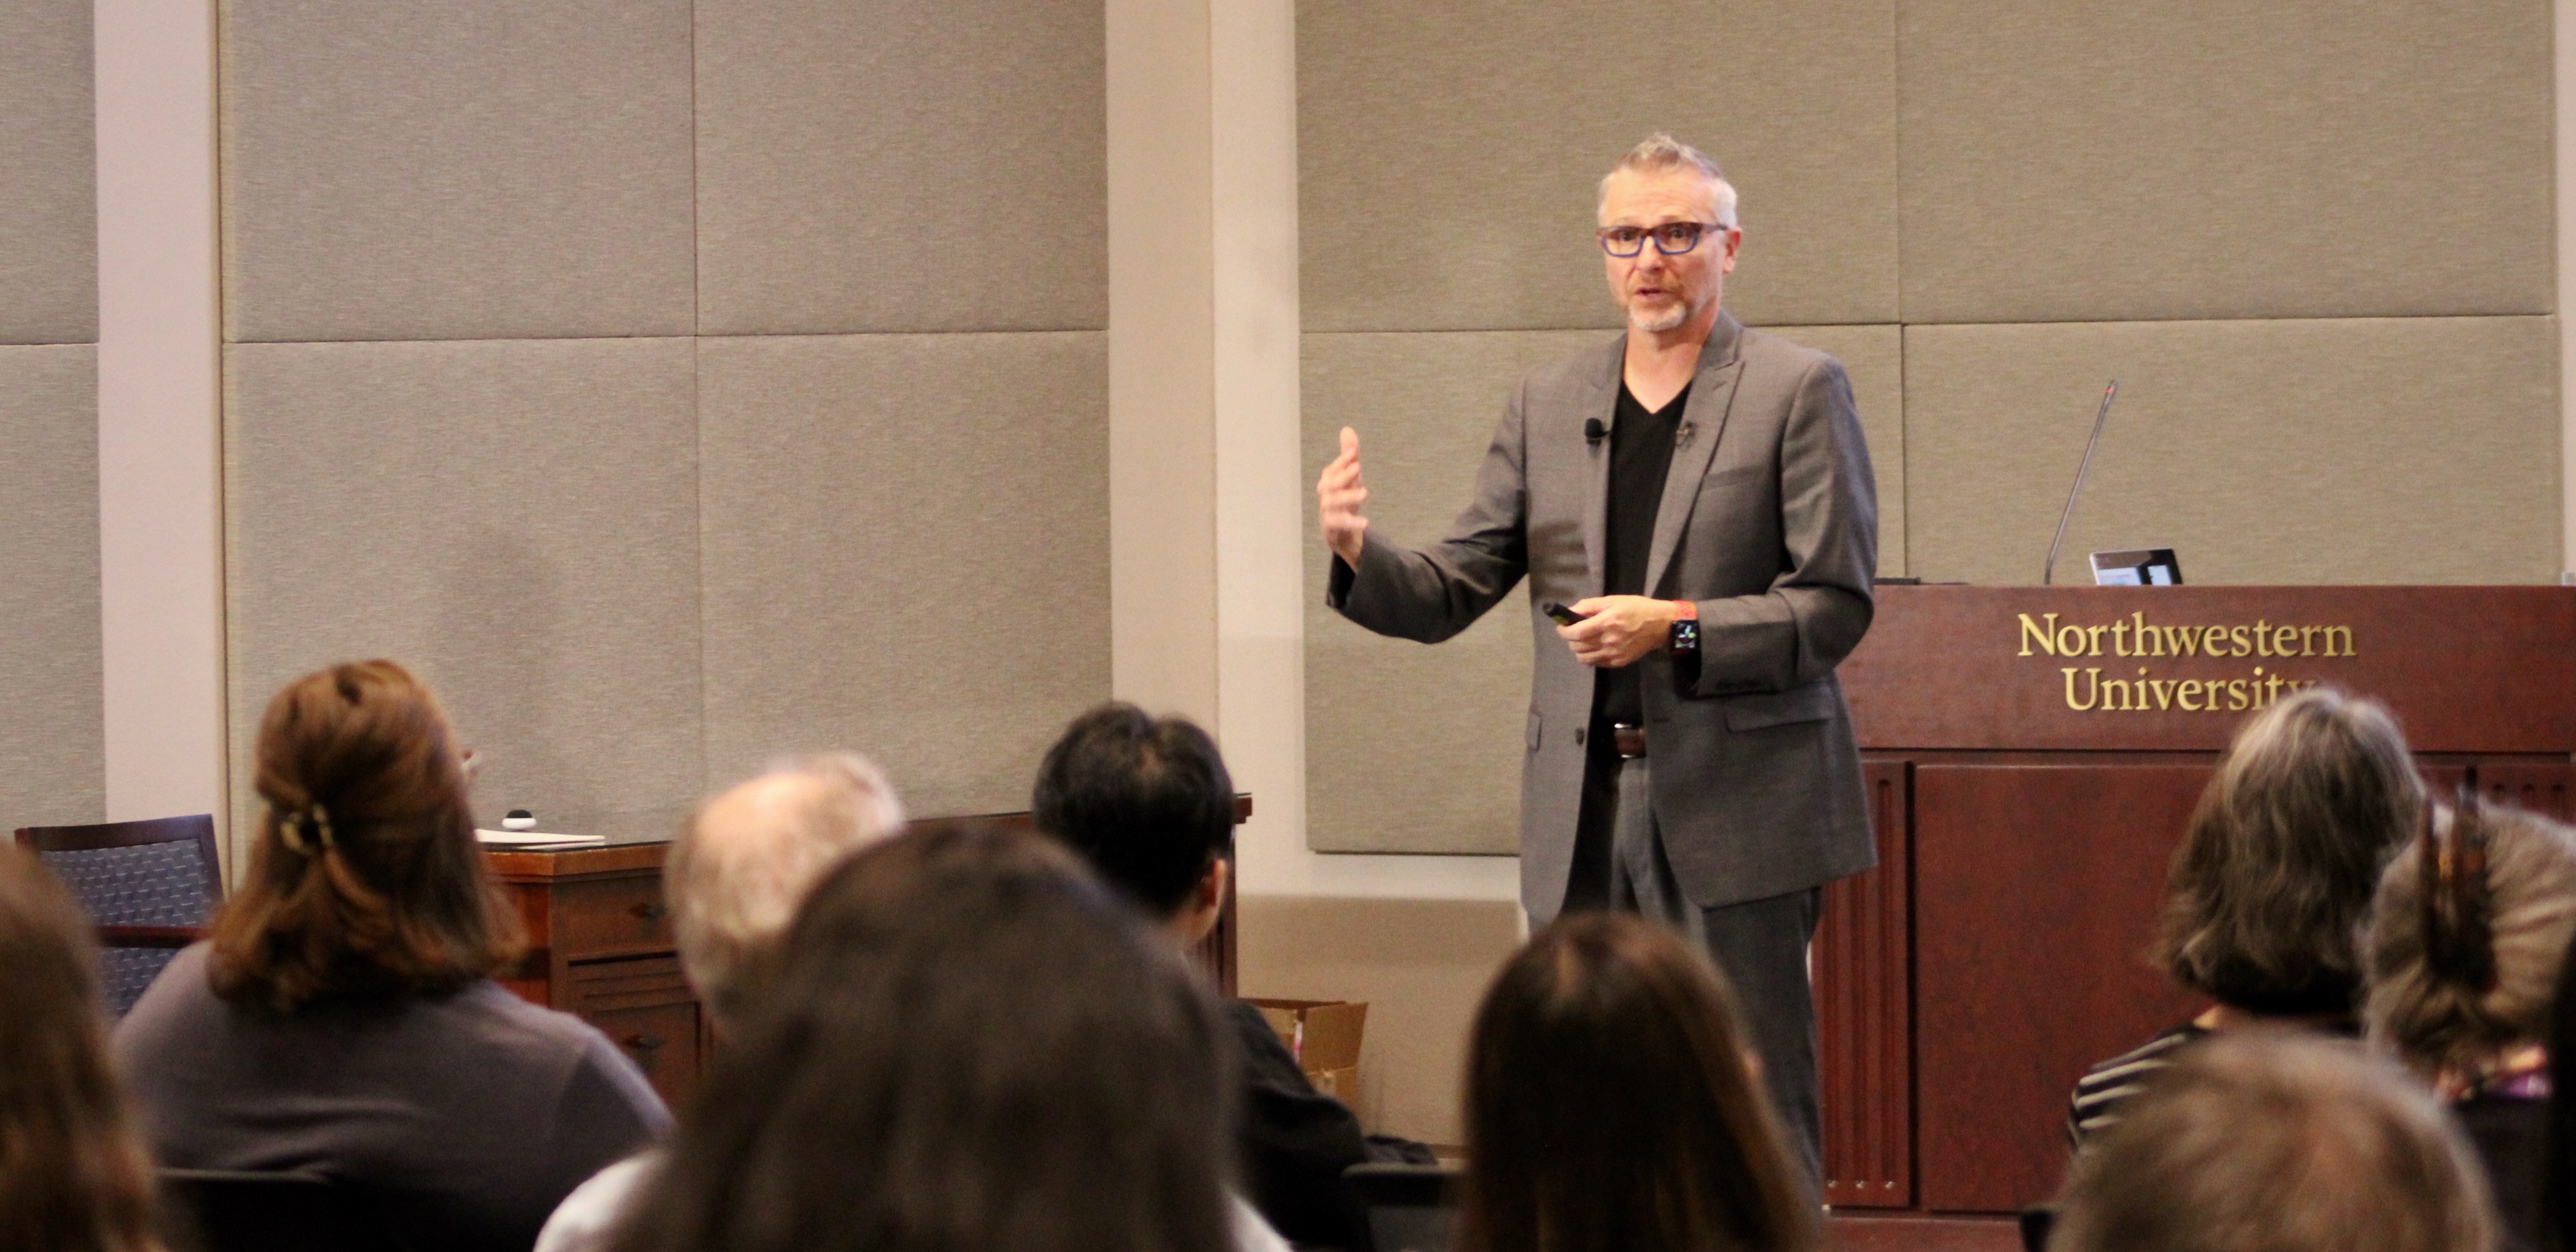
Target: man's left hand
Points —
{"points": [[1618, 630]]}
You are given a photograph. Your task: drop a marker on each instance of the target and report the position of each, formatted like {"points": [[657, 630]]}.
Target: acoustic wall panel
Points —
{"points": [[516, 520], [52, 745], [910, 166], [2092, 160], [1448, 155], [1417, 749], [48, 174], [2412, 450], [470, 169], [906, 553]]}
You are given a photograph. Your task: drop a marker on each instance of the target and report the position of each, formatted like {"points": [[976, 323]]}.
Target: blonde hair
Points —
{"points": [[2467, 934], [732, 898], [1660, 153]]}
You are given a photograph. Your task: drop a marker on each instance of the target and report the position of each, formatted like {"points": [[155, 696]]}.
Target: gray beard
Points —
{"points": [[1655, 324]]}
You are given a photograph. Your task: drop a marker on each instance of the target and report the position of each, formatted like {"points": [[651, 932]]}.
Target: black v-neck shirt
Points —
{"points": [[1641, 455]]}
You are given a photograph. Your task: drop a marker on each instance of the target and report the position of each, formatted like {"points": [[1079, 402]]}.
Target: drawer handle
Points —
{"points": [[644, 1043], [651, 911]]}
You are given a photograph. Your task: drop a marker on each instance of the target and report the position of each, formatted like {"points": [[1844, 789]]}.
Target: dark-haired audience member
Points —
{"points": [[2272, 882], [1612, 1105], [733, 880], [343, 1021], [970, 1046], [2557, 1181], [73, 1177], [2466, 940], [2272, 1140], [1148, 802]]}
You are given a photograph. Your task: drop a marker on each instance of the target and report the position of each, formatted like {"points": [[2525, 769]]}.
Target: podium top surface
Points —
{"points": [[2465, 669]]}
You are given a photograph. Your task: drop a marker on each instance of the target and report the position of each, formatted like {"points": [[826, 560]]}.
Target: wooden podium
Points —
{"points": [[2032, 756]]}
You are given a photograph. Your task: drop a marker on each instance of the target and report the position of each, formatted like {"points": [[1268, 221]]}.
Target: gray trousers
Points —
{"points": [[1760, 945]]}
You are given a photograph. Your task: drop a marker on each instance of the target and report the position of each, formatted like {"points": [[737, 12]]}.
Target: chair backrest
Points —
{"points": [[216, 1210], [150, 885], [1410, 1208]]}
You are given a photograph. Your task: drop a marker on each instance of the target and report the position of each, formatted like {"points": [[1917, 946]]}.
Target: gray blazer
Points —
{"points": [[1769, 521]]}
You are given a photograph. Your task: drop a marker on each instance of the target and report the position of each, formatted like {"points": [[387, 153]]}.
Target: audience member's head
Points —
{"points": [[2275, 874], [2467, 935], [73, 1176], [969, 1045], [2265, 1141], [1611, 1105], [1147, 801], [2557, 1184], [364, 876], [747, 857]]}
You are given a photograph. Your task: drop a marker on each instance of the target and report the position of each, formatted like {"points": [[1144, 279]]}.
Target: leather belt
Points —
{"points": [[1630, 740]]}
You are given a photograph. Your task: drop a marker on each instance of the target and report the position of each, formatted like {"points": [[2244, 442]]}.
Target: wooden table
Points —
{"points": [[600, 947]]}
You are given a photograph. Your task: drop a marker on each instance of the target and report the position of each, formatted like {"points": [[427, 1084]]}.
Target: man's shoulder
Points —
{"points": [[1772, 354], [1587, 367]]}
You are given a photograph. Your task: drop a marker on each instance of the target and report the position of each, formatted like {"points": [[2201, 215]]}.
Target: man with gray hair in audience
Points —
{"points": [[734, 879], [2262, 1140]]}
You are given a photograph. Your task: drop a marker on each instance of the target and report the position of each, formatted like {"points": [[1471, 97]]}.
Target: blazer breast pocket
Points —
{"points": [[1811, 703], [1732, 475]]}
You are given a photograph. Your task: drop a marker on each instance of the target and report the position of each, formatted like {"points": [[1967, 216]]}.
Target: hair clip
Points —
{"points": [[290, 829]]}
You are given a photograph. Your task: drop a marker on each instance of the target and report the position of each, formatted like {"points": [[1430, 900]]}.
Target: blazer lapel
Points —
{"points": [[1703, 421], [1601, 401]]}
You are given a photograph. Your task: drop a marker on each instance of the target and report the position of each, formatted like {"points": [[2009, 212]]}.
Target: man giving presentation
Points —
{"points": [[1697, 497]]}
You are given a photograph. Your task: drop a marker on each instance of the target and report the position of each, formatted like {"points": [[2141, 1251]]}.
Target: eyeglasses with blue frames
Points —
{"points": [[1671, 238]]}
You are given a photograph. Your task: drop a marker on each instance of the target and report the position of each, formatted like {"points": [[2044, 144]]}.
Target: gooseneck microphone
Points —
{"points": [[2048, 574], [1594, 431]]}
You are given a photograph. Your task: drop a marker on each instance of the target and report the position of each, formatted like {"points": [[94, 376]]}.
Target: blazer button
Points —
{"points": [[1578, 736]]}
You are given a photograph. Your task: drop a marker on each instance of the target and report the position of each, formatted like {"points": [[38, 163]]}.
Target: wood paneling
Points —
{"points": [[2036, 890], [1945, 667], [1864, 1013]]}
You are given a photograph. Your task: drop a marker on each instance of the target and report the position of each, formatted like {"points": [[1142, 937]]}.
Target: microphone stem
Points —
{"points": [[2048, 574]]}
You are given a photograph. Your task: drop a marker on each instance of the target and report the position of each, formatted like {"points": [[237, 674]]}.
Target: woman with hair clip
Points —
{"points": [[2270, 886], [2466, 941], [1612, 1105], [343, 1021], [73, 1177]]}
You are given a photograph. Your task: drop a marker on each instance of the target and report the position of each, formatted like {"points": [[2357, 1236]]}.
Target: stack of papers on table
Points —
{"points": [[534, 839]]}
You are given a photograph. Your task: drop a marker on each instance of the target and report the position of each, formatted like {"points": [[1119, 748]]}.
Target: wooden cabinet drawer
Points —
{"points": [[646, 1008], [604, 916]]}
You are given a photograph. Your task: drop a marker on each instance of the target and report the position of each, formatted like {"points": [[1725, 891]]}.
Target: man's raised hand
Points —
{"points": [[1339, 493]]}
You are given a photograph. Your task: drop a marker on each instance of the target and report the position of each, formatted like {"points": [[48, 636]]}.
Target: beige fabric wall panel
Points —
{"points": [[48, 174], [469, 169], [1420, 965], [1418, 749], [2413, 450], [906, 166], [906, 553], [2097, 160], [52, 754], [516, 520], [1448, 154]]}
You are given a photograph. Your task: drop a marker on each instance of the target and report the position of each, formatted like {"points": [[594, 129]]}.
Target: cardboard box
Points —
{"points": [[1324, 1036]]}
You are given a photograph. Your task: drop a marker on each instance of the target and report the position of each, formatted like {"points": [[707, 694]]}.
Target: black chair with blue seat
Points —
{"points": [[222, 1210], [150, 886]]}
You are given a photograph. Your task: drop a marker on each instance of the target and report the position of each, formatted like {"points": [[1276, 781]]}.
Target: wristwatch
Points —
{"points": [[1683, 645]]}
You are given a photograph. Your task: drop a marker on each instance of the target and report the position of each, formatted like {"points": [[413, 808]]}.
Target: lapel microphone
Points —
{"points": [[1594, 431]]}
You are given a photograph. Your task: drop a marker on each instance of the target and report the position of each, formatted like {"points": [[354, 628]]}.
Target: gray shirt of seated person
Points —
{"points": [[467, 1117]]}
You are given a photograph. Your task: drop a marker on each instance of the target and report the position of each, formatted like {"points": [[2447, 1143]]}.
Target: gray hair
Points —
{"points": [[2426, 1003], [1662, 154], [747, 857], [2266, 896], [2259, 1140]]}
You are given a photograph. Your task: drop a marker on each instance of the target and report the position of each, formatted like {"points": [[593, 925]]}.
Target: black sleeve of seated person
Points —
{"points": [[1295, 1141]]}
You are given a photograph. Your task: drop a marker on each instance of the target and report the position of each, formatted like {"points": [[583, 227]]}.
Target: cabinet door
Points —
{"points": [[2036, 891], [646, 1008]]}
